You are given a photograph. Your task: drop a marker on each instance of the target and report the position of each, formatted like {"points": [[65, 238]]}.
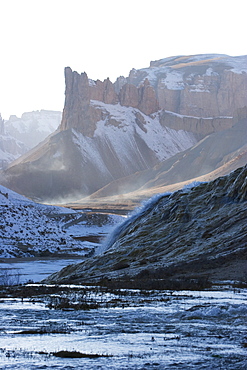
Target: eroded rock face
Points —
{"points": [[129, 95], [103, 91], [76, 111], [198, 230], [201, 86], [148, 102], [80, 114]]}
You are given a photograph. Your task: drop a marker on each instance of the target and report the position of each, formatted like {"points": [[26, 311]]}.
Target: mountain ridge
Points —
{"points": [[132, 124], [20, 135]]}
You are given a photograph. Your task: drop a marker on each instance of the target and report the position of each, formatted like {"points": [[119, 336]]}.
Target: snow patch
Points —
{"points": [[173, 81]]}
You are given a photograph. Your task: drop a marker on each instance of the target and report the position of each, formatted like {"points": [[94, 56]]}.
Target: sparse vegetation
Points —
{"points": [[151, 283], [76, 354], [9, 277]]}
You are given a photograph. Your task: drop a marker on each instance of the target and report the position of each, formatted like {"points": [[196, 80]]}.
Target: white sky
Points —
{"points": [[104, 38]]}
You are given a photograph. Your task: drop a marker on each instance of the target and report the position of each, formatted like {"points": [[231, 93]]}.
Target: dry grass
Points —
{"points": [[197, 63]]}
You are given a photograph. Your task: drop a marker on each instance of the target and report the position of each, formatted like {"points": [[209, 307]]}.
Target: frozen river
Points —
{"points": [[33, 270], [126, 330], [88, 226]]}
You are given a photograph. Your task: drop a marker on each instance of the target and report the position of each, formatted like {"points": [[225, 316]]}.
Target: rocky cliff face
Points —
{"points": [[199, 85], [80, 114], [112, 130], [202, 86], [197, 231]]}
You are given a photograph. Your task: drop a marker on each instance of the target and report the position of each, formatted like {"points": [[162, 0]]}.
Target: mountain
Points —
{"points": [[19, 135], [215, 155], [110, 131], [33, 127], [197, 232], [10, 147]]}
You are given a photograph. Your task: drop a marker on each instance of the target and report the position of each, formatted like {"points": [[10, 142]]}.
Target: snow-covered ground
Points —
{"points": [[29, 229]]}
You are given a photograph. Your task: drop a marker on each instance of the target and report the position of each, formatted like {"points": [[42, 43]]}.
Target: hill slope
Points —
{"points": [[198, 231], [28, 229], [215, 155]]}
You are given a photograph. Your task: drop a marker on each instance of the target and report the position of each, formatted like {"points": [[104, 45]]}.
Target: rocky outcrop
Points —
{"points": [[76, 111], [129, 95], [103, 91], [80, 114], [198, 231], [142, 98], [148, 102]]}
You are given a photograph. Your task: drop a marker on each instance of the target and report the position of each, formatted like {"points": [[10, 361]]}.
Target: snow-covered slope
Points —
{"points": [[28, 229], [164, 142], [135, 141], [174, 67], [216, 155]]}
